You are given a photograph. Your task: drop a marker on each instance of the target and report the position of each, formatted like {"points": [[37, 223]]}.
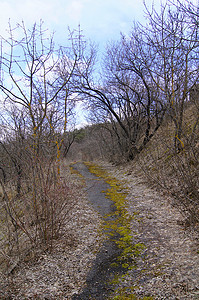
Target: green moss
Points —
{"points": [[127, 294], [117, 226]]}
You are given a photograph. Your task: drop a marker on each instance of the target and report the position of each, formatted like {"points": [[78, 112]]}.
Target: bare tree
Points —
{"points": [[126, 95], [14, 147], [172, 36], [38, 103], [142, 111], [29, 76], [172, 39]]}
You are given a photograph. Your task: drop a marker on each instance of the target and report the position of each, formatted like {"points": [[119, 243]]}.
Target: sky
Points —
{"points": [[100, 20]]}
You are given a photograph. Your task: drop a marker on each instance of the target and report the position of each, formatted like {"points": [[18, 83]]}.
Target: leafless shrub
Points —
{"points": [[34, 219], [177, 172]]}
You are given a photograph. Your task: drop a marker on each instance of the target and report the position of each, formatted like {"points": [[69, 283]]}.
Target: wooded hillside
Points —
{"points": [[143, 104]]}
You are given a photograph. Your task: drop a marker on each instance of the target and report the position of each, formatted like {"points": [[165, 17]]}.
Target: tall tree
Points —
{"points": [[29, 77], [172, 37]]}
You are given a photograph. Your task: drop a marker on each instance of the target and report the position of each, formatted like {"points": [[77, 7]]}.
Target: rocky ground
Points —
{"points": [[167, 269]]}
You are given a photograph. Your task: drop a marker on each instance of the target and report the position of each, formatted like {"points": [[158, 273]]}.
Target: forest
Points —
{"points": [[142, 103]]}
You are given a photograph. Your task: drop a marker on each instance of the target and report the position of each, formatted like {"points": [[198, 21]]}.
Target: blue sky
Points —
{"points": [[100, 20]]}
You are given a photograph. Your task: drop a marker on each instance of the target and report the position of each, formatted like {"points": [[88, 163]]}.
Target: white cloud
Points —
{"points": [[74, 10], [99, 19], [30, 11]]}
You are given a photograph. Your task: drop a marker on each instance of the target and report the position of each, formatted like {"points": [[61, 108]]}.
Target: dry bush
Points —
{"points": [[176, 171], [32, 220]]}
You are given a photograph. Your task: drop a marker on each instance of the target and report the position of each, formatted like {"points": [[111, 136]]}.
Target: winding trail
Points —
{"points": [[103, 269], [166, 268]]}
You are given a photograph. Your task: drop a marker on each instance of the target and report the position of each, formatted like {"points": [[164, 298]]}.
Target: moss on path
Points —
{"points": [[120, 250]]}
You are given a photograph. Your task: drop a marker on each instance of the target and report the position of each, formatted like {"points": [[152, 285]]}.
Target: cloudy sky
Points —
{"points": [[100, 20]]}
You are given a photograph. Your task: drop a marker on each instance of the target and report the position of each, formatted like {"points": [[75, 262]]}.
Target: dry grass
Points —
{"points": [[176, 172], [33, 221]]}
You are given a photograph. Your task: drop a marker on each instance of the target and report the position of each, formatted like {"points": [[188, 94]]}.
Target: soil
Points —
{"points": [[79, 266], [103, 269]]}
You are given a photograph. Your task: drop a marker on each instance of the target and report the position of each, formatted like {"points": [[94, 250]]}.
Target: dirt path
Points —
{"points": [[168, 267], [103, 269], [94, 188]]}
